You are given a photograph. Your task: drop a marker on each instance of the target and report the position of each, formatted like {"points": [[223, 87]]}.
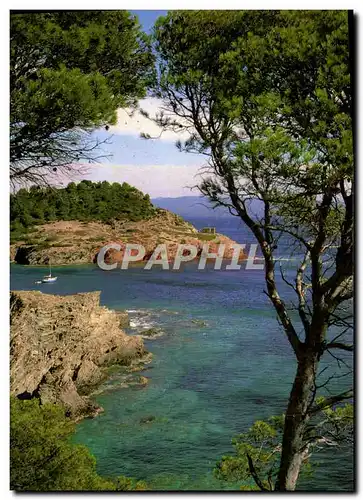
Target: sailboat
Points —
{"points": [[49, 278]]}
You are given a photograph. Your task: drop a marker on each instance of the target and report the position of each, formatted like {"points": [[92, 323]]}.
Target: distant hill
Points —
{"points": [[190, 206], [85, 201], [198, 206]]}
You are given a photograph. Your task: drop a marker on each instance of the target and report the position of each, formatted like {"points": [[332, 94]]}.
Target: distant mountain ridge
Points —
{"points": [[190, 206], [198, 206]]}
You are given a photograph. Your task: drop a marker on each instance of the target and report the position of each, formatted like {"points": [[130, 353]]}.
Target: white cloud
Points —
{"points": [[137, 123], [162, 179], [156, 180]]}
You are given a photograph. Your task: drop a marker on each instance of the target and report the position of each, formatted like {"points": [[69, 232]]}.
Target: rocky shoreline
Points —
{"points": [[76, 242], [62, 348]]}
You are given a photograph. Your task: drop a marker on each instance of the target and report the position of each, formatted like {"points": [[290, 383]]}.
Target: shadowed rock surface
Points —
{"points": [[61, 346]]}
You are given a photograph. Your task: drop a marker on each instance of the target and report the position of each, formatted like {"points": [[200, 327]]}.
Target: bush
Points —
{"points": [[206, 237], [43, 458]]}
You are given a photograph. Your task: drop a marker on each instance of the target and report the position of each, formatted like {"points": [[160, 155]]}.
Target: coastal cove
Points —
{"points": [[221, 363]]}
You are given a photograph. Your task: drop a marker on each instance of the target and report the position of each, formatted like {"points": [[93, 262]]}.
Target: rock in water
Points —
{"points": [[59, 345], [151, 333], [148, 419]]}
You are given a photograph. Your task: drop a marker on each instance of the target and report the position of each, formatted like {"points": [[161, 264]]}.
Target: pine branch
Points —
{"points": [[330, 401]]}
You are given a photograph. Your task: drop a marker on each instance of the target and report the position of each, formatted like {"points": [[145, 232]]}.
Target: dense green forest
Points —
{"points": [[86, 201], [43, 457]]}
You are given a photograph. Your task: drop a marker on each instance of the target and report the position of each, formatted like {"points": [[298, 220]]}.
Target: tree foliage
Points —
{"points": [[87, 201], [257, 452], [43, 458], [266, 97], [69, 73]]}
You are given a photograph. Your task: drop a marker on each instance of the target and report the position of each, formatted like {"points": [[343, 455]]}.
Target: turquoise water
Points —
{"points": [[221, 364]]}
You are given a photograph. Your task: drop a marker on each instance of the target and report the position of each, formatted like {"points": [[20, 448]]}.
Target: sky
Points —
{"points": [[153, 165]]}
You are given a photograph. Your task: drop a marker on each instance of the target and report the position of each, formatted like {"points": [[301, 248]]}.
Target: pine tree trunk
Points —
{"points": [[293, 450]]}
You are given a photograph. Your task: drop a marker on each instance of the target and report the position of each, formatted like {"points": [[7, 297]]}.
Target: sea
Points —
{"points": [[222, 363]]}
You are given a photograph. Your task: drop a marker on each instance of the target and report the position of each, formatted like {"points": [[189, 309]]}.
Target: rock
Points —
{"points": [[88, 376], [123, 382], [148, 419], [199, 322], [151, 333], [123, 317], [76, 242], [25, 255], [61, 344], [139, 364], [259, 401], [13, 250], [139, 380]]}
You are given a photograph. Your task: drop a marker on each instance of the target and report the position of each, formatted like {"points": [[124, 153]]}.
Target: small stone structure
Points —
{"points": [[208, 230]]}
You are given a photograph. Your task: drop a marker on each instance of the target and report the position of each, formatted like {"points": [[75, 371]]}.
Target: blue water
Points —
{"points": [[209, 380]]}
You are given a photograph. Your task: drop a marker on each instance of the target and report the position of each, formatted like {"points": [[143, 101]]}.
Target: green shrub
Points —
{"points": [[52, 237], [43, 458], [206, 237], [97, 238]]}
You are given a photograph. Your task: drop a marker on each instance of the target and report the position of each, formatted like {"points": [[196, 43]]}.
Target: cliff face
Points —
{"points": [[60, 346], [75, 242]]}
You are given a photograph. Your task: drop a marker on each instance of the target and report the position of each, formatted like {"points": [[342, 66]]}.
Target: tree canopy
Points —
{"points": [[69, 73], [87, 201]]}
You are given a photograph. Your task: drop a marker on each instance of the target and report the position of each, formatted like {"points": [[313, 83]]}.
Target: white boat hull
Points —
{"points": [[49, 280]]}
